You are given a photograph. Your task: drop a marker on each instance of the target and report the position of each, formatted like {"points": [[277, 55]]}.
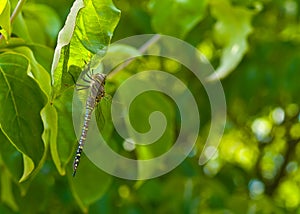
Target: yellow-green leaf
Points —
{"points": [[231, 31], [84, 38], [5, 27]]}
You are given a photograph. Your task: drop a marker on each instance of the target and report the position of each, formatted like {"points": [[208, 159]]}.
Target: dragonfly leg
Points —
{"points": [[82, 87], [89, 76], [85, 80]]}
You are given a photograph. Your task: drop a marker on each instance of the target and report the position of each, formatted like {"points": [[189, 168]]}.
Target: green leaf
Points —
{"points": [[5, 28], [40, 194], [16, 163], [176, 18], [231, 30], [42, 54], [22, 101], [63, 146], [6, 190], [12, 158], [37, 71], [89, 184], [43, 78], [20, 28], [49, 117], [37, 23], [85, 37], [28, 167], [140, 110]]}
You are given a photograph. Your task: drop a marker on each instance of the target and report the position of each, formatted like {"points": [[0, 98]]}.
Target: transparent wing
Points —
{"points": [[103, 115]]}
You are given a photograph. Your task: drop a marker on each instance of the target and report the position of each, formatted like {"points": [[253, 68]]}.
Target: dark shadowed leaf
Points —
{"points": [[6, 190], [63, 145], [89, 184], [11, 157]]}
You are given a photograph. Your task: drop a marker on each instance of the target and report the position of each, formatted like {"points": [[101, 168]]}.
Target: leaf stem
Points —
{"points": [[17, 10], [142, 50]]}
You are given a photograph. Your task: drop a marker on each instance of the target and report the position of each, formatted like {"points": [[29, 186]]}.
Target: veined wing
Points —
{"points": [[102, 112]]}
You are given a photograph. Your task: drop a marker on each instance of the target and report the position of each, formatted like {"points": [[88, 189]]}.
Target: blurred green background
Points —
{"points": [[256, 169]]}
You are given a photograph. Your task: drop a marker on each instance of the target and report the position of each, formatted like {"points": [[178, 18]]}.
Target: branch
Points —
{"points": [[291, 144], [142, 50]]}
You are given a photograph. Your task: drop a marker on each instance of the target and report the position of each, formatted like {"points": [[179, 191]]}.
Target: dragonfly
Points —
{"points": [[96, 84]]}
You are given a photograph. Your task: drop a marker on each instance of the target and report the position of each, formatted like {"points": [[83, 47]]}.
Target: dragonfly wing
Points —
{"points": [[103, 116], [99, 117], [102, 112]]}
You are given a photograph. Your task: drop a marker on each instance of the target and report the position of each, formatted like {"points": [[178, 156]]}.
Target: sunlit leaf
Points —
{"points": [[231, 30], [295, 131], [28, 167], [5, 27], [85, 36], [288, 194], [82, 36]]}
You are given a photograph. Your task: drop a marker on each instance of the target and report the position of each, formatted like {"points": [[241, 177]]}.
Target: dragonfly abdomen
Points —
{"points": [[82, 139]]}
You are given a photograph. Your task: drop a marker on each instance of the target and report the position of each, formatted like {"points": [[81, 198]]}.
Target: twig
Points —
{"points": [[142, 50], [16, 11]]}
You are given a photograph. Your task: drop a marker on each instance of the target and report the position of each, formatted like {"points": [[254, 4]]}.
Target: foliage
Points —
{"points": [[254, 46]]}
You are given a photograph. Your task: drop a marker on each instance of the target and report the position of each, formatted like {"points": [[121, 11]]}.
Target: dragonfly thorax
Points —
{"points": [[97, 86]]}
